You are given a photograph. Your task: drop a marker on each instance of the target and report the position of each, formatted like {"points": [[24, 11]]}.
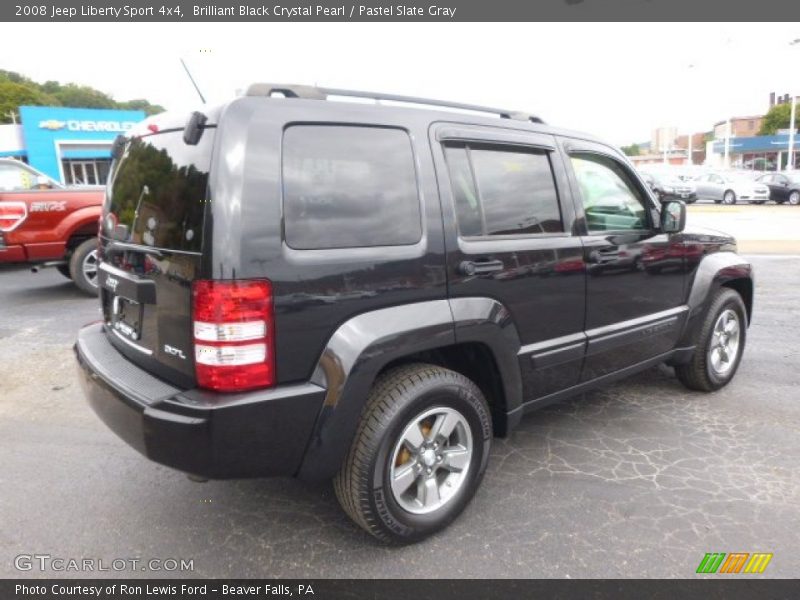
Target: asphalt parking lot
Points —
{"points": [[637, 480]]}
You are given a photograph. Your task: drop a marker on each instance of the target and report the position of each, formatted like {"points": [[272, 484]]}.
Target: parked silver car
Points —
{"points": [[729, 188]]}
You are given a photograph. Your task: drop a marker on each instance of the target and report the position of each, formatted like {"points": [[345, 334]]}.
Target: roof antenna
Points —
{"points": [[188, 73]]}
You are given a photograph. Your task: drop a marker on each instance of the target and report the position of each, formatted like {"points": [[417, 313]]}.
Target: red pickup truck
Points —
{"points": [[44, 223]]}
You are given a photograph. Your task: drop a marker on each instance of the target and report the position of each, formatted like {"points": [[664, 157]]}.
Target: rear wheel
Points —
{"points": [[419, 453], [83, 266], [729, 197], [794, 198], [719, 346]]}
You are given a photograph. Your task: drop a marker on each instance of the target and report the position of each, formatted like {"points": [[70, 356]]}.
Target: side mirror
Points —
{"points": [[673, 216]]}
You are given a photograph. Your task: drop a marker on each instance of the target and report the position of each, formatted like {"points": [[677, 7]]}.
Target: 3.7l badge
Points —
{"points": [[174, 351]]}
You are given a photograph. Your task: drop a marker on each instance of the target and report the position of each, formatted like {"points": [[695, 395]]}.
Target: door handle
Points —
{"points": [[469, 267]]}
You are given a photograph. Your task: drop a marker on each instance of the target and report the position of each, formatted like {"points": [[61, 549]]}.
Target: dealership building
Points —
{"points": [[71, 145], [757, 153]]}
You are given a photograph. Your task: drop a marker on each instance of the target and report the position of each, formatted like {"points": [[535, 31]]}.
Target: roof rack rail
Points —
{"points": [[320, 93]]}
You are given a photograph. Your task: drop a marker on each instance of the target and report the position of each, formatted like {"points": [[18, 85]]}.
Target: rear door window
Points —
{"points": [[503, 192], [348, 187]]}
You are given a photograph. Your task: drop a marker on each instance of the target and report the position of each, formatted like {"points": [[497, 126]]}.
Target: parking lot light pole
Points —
{"points": [[727, 161], [791, 133], [790, 164]]}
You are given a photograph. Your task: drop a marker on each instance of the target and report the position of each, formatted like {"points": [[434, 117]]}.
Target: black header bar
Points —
{"points": [[733, 588], [402, 10]]}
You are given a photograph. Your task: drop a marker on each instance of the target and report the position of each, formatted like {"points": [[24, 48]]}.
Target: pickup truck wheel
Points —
{"points": [[419, 454], [719, 346], [83, 266]]}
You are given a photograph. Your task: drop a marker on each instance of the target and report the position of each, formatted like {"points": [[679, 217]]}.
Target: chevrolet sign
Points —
{"points": [[75, 125]]}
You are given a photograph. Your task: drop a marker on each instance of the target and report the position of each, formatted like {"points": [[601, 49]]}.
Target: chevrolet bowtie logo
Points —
{"points": [[52, 124]]}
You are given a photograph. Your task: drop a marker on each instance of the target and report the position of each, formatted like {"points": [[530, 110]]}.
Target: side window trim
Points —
{"points": [[478, 135], [481, 209], [497, 143]]}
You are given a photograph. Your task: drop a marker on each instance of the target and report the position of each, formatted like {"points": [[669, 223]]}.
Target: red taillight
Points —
{"points": [[12, 214], [234, 334]]}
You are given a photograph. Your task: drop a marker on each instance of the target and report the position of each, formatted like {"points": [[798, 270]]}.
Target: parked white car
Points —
{"points": [[730, 188]]}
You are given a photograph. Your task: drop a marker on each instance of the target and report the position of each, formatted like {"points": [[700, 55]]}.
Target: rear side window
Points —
{"points": [[503, 192], [348, 186]]}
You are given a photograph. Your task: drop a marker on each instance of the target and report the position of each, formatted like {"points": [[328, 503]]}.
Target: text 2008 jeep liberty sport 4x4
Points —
{"points": [[300, 286]]}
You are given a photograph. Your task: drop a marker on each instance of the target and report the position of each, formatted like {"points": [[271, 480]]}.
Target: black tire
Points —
{"points": [[729, 197], [699, 374], [398, 398], [81, 256], [64, 270], [794, 198]]}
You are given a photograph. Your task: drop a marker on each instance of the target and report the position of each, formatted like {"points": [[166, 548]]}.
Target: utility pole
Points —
{"points": [[726, 163], [792, 125], [790, 166]]}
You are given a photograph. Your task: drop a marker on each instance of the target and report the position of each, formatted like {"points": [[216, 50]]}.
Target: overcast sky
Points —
{"points": [[618, 81]]}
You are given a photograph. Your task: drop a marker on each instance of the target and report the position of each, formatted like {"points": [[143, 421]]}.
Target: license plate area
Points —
{"points": [[126, 317]]}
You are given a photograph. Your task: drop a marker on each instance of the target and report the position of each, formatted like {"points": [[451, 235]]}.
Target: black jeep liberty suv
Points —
{"points": [[298, 284]]}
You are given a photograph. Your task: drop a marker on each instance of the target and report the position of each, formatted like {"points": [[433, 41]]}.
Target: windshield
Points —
{"points": [[157, 193]]}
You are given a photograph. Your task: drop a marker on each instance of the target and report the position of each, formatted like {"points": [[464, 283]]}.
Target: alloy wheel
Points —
{"points": [[430, 461], [89, 268], [725, 339]]}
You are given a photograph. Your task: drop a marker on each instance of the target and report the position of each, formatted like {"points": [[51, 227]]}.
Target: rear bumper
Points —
{"points": [[215, 436]]}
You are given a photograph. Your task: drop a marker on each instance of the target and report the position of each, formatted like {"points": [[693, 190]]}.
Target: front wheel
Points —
{"points": [[83, 266], [794, 198], [720, 344], [419, 453], [729, 197]]}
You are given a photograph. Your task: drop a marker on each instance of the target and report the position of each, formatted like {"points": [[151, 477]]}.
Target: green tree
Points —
{"points": [[13, 95], [632, 150], [777, 118], [141, 104], [81, 96], [17, 90]]}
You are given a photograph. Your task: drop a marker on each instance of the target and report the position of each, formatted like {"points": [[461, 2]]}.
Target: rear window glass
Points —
{"points": [[157, 192], [348, 186]]}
